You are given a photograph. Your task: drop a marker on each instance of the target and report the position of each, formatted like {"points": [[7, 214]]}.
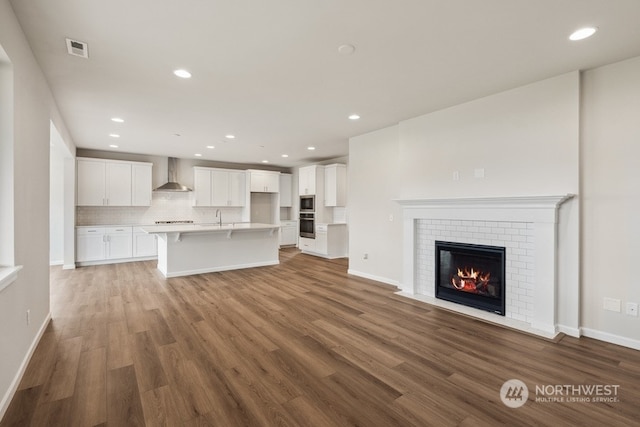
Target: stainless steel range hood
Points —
{"points": [[173, 184]]}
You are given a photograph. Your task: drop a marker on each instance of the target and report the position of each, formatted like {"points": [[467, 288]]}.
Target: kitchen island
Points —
{"points": [[185, 249]]}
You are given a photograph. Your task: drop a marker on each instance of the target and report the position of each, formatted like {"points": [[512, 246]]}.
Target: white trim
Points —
{"points": [[55, 263], [111, 261], [322, 255], [8, 275], [217, 269], [8, 396], [482, 315], [69, 267], [373, 277], [541, 215], [611, 338], [568, 330]]}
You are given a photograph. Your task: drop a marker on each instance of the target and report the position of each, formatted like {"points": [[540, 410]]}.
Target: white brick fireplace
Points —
{"points": [[525, 226]]}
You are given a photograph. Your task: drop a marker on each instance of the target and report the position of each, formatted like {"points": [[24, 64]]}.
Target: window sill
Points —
{"points": [[8, 275]]}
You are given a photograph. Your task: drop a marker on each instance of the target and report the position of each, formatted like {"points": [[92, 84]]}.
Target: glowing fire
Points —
{"points": [[471, 281]]}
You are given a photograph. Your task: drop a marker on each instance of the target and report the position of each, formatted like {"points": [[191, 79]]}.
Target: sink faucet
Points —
{"points": [[218, 213]]}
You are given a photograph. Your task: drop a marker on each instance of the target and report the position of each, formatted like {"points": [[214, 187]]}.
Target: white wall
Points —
{"points": [[527, 142], [373, 184], [34, 108], [56, 207], [611, 198], [525, 139]]}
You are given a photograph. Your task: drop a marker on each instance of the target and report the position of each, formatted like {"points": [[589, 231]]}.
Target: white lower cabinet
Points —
{"points": [[90, 244], [331, 241], [102, 245], [307, 245], [118, 242], [144, 245], [288, 233]]}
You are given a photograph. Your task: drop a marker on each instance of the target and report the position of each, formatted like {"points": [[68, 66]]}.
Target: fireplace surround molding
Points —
{"points": [[538, 214]]}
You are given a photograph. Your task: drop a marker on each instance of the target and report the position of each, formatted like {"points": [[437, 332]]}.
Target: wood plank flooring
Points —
{"points": [[298, 344]]}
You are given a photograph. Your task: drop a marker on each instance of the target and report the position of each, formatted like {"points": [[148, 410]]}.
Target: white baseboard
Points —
{"points": [[217, 269], [6, 399], [59, 262], [373, 277], [69, 267], [611, 338], [568, 330]]}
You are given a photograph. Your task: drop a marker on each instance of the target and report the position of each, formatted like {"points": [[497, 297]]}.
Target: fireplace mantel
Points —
{"points": [[525, 208], [539, 213]]}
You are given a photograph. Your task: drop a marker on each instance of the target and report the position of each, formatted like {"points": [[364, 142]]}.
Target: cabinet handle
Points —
{"points": [[91, 231]]}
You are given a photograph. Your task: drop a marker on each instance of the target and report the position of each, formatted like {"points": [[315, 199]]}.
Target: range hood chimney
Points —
{"points": [[173, 184]]}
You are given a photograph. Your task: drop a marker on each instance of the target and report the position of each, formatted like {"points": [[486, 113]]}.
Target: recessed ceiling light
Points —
{"points": [[198, 155], [583, 33], [346, 49], [210, 147], [354, 117], [265, 161], [113, 146], [182, 74], [117, 120], [230, 136], [114, 135], [311, 148], [285, 155]]}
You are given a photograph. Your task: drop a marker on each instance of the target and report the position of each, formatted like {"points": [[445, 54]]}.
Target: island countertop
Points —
{"points": [[210, 227]]}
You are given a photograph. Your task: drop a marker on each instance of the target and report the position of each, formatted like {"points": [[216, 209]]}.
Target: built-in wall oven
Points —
{"points": [[308, 204], [307, 225]]}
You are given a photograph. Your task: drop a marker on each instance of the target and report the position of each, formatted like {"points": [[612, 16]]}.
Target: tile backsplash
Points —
{"points": [[164, 207]]}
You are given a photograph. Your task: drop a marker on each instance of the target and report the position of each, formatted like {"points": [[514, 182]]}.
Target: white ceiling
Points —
{"points": [[270, 73]]}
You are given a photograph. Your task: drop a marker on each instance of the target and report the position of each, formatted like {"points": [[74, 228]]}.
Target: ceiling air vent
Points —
{"points": [[77, 48]]}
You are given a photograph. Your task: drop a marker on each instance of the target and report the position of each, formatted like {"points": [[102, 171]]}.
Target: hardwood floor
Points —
{"points": [[301, 343]]}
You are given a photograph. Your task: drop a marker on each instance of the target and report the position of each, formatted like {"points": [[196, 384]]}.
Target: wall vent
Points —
{"points": [[77, 48]]}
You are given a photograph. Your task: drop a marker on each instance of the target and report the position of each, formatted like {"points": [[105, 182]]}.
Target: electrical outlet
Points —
{"points": [[612, 304], [390, 217], [632, 308], [456, 175], [478, 172], [365, 256], [28, 317]]}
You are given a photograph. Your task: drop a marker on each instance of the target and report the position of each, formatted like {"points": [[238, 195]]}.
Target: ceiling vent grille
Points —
{"points": [[77, 48]]}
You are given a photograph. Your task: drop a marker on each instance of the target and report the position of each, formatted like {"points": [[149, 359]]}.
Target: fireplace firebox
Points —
{"points": [[472, 275]]}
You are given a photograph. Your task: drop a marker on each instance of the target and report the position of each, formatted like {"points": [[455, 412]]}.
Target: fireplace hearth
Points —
{"points": [[472, 275]]}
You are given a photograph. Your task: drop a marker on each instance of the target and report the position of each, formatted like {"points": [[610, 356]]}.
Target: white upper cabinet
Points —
{"points": [[219, 187], [141, 184], [307, 177], [335, 185], [91, 183], [118, 188], [201, 187], [264, 181], [286, 199], [237, 188], [103, 182]]}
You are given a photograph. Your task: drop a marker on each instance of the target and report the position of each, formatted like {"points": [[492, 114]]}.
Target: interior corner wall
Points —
{"points": [[375, 220], [525, 141], [610, 199], [34, 108]]}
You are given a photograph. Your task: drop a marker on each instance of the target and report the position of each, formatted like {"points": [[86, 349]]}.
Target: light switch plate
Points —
{"points": [[612, 304]]}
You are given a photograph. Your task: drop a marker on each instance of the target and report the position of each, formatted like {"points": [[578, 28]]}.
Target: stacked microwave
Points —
{"points": [[307, 217]]}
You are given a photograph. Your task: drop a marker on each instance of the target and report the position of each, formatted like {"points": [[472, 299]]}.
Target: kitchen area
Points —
{"points": [[197, 216]]}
